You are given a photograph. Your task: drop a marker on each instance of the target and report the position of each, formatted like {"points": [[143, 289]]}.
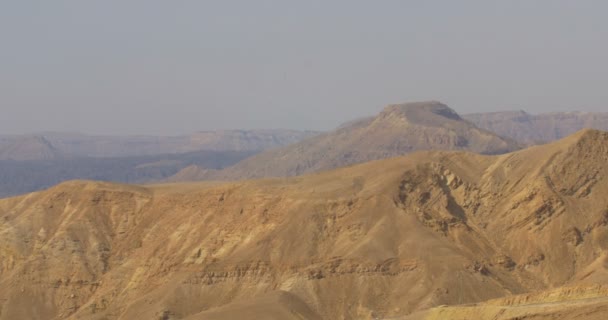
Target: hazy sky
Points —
{"points": [[167, 67]]}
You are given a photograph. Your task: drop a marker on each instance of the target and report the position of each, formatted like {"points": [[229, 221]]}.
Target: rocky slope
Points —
{"points": [[397, 130], [532, 129], [382, 239]]}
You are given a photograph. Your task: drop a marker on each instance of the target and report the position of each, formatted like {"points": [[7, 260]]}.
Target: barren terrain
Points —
{"points": [[384, 239]]}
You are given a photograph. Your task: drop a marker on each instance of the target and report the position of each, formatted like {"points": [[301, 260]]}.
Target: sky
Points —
{"points": [[173, 67]]}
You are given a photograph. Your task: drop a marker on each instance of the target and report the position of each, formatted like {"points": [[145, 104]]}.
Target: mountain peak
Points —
{"points": [[431, 113]]}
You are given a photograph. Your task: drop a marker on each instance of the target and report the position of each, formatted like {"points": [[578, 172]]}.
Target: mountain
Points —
{"points": [[532, 129], [81, 145], [32, 162], [383, 239], [250, 140], [397, 130], [29, 148]]}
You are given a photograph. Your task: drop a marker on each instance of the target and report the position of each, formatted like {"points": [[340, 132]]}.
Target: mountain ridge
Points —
{"points": [[98, 146], [538, 128]]}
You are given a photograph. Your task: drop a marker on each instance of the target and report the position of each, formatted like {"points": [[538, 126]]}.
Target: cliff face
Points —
{"points": [[377, 240]]}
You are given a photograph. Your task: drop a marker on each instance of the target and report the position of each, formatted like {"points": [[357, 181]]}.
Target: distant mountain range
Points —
{"points": [[532, 129], [33, 162], [48, 146]]}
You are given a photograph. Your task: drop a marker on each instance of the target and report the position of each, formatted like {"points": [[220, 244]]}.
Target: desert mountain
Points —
{"points": [[531, 129], [29, 148], [397, 130], [383, 239]]}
